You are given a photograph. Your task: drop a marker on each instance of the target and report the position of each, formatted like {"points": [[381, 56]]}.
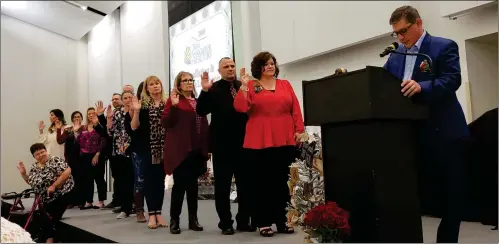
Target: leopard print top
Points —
{"points": [[42, 177]]}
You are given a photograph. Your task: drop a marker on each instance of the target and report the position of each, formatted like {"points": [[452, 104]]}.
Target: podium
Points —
{"points": [[369, 139]]}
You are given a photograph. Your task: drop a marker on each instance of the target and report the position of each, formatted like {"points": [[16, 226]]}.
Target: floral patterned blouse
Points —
{"points": [[41, 177], [118, 131]]}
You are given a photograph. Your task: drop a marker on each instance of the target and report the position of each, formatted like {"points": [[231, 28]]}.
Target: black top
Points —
{"points": [[227, 126], [140, 139], [101, 129]]}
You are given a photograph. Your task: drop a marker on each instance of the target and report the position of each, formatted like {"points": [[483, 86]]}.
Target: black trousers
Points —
{"points": [[77, 196], [113, 166], [185, 181], [124, 182], [272, 165], [56, 210], [441, 176], [227, 164], [154, 186], [94, 173]]}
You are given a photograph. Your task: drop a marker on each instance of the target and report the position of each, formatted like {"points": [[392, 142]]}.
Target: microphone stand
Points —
{"points": [[428, 58]]}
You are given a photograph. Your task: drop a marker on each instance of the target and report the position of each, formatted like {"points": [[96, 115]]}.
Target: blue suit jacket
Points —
{"points": [[447, 121]]}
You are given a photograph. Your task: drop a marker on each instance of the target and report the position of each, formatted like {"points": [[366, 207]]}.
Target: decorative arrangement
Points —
{"points": [[322, 222], [327, 223]]}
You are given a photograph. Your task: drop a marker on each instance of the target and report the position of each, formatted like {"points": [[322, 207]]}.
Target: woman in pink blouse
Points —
{"points": [[91, 145], [272, 131]]}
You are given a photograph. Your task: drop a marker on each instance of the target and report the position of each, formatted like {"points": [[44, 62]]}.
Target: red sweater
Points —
{"points": [[181, 134], [274, 116]]}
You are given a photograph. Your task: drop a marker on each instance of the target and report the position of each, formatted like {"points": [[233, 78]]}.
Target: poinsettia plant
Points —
{"points": [[327, 223]]}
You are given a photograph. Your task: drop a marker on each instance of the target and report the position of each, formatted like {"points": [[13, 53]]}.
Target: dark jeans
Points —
{"points": [[154, 186], [56, 210], [185, 180], [441, 175], [124, 179], [227, 164], [138, 182], [94, 173], [272, 165]]}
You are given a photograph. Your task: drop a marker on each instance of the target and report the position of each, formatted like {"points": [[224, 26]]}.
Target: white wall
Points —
{"points": [[480, 22], [143, 50], [482, 72], [295, 30], [104, 60], [39, 69]]}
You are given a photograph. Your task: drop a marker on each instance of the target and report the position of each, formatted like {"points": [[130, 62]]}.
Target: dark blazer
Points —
{"points": [[181, 134], [447, 121], [227, 126]]}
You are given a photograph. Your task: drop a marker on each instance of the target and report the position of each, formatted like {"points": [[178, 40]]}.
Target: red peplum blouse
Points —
{"points": [[274, 116]]}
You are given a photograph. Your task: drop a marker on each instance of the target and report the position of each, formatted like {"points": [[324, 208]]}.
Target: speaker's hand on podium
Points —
{"points": [[410, 87]]}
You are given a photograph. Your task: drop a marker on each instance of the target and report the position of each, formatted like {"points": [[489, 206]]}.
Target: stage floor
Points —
{"points": [[103, 223]]}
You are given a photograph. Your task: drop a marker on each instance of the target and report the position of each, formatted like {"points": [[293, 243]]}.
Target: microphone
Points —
{"points": [[389, 49]]}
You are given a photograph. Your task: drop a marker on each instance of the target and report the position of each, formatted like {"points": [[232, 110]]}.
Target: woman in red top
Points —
{"points": [[272, 131], [185, 150]]}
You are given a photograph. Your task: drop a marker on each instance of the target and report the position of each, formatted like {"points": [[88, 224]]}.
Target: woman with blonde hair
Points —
{"points": [[185, 149], [149, 140]]}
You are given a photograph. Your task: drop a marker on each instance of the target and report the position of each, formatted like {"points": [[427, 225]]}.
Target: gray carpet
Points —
{"points": [[104, 223]]}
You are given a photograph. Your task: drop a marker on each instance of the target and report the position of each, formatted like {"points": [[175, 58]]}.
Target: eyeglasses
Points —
{"points": [[188, 81], [402, 32]]}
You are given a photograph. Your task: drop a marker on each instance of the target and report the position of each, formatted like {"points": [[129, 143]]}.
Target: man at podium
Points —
{"points": [[441, 140]]}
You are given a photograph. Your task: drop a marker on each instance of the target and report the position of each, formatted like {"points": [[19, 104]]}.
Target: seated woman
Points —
{"points": [[50, 177]]}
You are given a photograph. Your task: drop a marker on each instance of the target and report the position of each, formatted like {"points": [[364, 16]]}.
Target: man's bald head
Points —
{"points": [[128, 88], [227, 69]]}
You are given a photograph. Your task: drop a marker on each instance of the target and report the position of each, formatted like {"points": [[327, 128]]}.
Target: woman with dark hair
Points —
{"points": [[67, 137], [149, 139], [49, 177], [273, 129], [91, 145], [185, 149], [49, 138]]}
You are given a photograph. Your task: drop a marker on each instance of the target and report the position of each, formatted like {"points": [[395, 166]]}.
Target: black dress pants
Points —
{"points": [[441, 175], [56, 210], [272, 165], [185, 181], [226, 164], [94, 173], [77, 196], [124, 182]]}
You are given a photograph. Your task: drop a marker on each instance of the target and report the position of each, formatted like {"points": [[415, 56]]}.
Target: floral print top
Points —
{"points": [[118, 131], [41, 177]]}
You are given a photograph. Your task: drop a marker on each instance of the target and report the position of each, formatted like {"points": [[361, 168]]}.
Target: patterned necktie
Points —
{"points": [[232, 89]]}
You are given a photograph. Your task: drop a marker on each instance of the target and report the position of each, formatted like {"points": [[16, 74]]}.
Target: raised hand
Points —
{"points": [[136, 103], [77, 125], [58, 124], [41, 125], [244, 77], [109, 111], [21, 168], [206, 83], [99, 107], [174, 97]]}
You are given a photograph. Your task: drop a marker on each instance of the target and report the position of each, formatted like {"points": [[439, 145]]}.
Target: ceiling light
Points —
{"points": [[84, 7], [76, 4], [14, 4]]}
